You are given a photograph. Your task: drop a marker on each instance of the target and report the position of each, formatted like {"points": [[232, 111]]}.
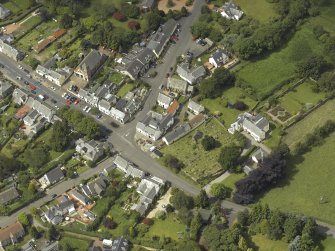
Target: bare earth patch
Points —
{"points": [[178, 4]]}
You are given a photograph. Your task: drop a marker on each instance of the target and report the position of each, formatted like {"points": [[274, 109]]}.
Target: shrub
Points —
{"points": [[209, 143], [119, 16], [241, 106], [133, 25]]}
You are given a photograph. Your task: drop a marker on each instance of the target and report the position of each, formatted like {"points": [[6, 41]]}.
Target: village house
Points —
{"points": [[147, 5], [96, 187], [6, 88], [51, 177], [4, 12], [81, 198], [219, 58], [259, 155], [88, 97], [163, 100], [148, 190], [54, 215], [176, 133], [127, 167], [230, 11], [161, 37], [119, 115], [257, 126], [19, 97], [173, 108], [191, 75], [11, 234], [57, 77], [90, 65], [195, 107], [179, 85], [137, 63], [154, 125], [7, 196], [90, 150], [10, 51]]}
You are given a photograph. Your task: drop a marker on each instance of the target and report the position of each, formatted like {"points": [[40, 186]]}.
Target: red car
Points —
{"points": [[68, 102], [32, 87], [76, 101]]}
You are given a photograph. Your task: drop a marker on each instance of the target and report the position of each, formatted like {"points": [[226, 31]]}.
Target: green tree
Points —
{"points": [[229, 157], [188, 245], [66, 21], [209, 143], [220, 190], [33, 232], [23, 219], [185, 216], [311, 67], [326, 82], [36, 157], [202, 199], [292, 227], [242, 244], [276, 222], [180, 200], [200, 29], [52, 233], [195, 226], [32, 188]]}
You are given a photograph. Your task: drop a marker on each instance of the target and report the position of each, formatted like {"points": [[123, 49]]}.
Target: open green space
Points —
{"points": [[16, 6], [263, 75], [328, 244], [232, 179], [219, 105], [200, 164], [28, 24], [309, 184], [261, 10], [75, 243], [298, 98], [125, 89], [317, 118], [262, 243], [169, 227]]}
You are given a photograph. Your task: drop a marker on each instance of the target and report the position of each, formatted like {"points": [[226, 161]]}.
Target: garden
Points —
{"points": [[200, 165]]}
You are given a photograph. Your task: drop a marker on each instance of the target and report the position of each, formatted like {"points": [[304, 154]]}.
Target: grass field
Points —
{"points": [[299, 97], [264, 74], [328, 244], [261, 10], [75, 243], [200, 164], [231, 179], [317, 118], [171, 228], [262, 243], [16, 6], [308, 178], [230, 95]]}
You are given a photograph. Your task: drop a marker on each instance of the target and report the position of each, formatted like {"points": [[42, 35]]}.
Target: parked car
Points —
{"points": [[76, 101], [33, 92], [53, 101], [26, 82], [53, 195], [68, 102], [99, 115], [19, 78], [85, 108]]}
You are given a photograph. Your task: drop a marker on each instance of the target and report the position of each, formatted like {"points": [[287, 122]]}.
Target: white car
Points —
{"points": [[89, 109], [64, 94], [20, 67], [85, 108], [53, 88]]}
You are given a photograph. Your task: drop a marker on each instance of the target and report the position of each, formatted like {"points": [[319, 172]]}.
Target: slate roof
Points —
{"points": [[177, 133], [164, 99], [191, 75], [195, 107], [220, 57], [177, 84], [80, 197], [8, 195], [54, 175], [5, 88], [120, 244]]}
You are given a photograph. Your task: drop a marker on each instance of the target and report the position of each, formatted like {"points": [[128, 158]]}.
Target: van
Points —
{"points": [[41, 97]]}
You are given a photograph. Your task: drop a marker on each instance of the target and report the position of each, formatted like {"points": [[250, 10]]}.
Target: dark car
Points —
{"points": [[53, 101], [99, 116], [2, 66], [26, 82], [53, 195], [115, 125], [33, 92]]}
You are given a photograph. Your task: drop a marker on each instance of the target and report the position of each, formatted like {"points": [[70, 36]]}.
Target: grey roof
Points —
{"points": [[120, 244], [191, 75], [5, 88], [121, 162], [195, 106], [80, 197], [66, 205], [54, 246], [232, 10], [54, 215], [43, 110], [8, 195], [4, 12], [19, 96], [91, 61], [260, 154], [121, 104], [176, 133], [164, 99], [56, 75], [148, 4], [162, 36], [177, 84], [54, 175], [220, 56]]}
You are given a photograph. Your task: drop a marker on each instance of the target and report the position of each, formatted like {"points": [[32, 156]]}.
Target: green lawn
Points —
{"points": [[328, 244], [275, 137], [232, 179], [297, 99], [116, 77], [261, 10], [230, 95], [16, 6], [264, 74], [265, 244], [166, 228], [200, 165], [317, 118], [28, 24], [75, 243], [308, 178], [125, 89]]}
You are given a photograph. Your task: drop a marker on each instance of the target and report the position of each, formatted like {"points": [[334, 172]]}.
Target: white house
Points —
{"points": [[195, 107], [118, 115], [164, 100], [219, 58], [230, 11]]}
